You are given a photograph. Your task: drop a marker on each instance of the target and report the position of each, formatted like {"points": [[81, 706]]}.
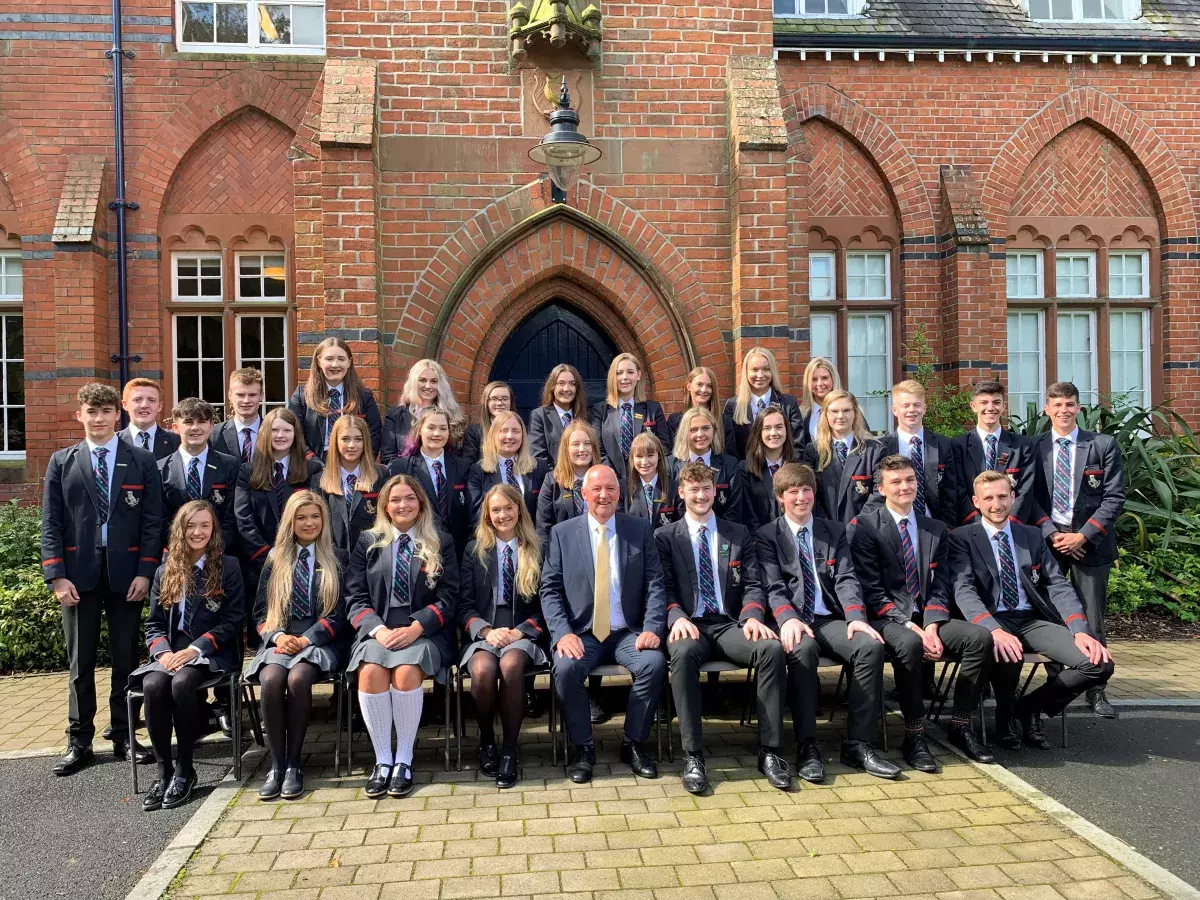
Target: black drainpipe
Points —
{"points": [[118, 55]]}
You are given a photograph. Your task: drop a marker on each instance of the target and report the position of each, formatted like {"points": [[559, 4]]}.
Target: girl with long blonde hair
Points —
{"points": [[626, 412], [758, 388], [442, 474], [506, 459], [820, 377], [844, 455], [564, 399], [561, 497], [332, 391], [350, 481], [426, 385], [700, 389], [698, 440]]}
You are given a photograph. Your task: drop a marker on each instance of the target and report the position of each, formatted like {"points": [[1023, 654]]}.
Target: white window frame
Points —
{"points": [[252, 44], [1040, 261], [237, 277], [11, 304], [864, 398], [1041, 355], [1090, 256], [1132, 10], [832, 258], [887, 275], [1145, 315], [832, 316], [1145, 289], [258, 362], [1093, 356], [196, 254], [199, 360], [6, 294]]}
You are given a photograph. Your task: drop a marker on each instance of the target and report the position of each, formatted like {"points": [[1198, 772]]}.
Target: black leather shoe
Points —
{"points": [[963, 737], [1098, 701], [776, 769], [506, 775], [401, 784], [107, 733], [809, 763], [179, 791], [917, 754], [154, 797], [534, 708], [695, 779], [642, 763], [293, 784], [377, 783], [489, 760], [271, 786], [76, 758], [597, 712], [861, 755], [1008, 735], [580, 769], [1030, 722], [122, 750], [225, 724]]}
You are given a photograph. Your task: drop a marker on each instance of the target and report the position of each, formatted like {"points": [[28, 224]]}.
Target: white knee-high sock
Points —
{"points": [[406, 713], [377, 714]]}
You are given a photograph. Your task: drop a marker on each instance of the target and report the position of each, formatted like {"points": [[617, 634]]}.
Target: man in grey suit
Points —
{"points": [[604, 599]]}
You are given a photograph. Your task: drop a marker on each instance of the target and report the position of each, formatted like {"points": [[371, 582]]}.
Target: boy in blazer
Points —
{"points": [[716, 610], [808, 575], [142, 400], [101, 533], [197, 472], [988, 447], [237, 435], [1079, 493], [902, 563], [1007, 580]]}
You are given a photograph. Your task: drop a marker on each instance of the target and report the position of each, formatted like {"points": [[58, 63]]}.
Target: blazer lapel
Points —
{"points": [[83, 462], [931, 455], [584, 547], [983, 547], [723, 559], [975, 452], [493, 577], [611, 431], [891, 534], [789, 553], [683, 545], [924, 557], [379, 573], [1083, 448], [1049, 450]]}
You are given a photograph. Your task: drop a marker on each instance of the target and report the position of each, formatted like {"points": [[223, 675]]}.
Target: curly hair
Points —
{"points": [[176, 581]]}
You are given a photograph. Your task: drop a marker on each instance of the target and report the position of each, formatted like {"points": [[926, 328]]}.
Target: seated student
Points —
{"points": [[650, 490], [332, 391], [989, 447], [769, 446], [564, 399], [350, 481], [299, 614], [506, 460], [699, 441], [610, 608], [561, 497], [442, 475], [500, 611], [237, 435], [808, 575], [195, 616], [426, 385], [402, 589], [820, 377], [716, 610], [624, 413], [1007, 580], [758, 388], [497, 398], [197, 472], [902, 562], [142, 399], [844, 456], [700, 389]]}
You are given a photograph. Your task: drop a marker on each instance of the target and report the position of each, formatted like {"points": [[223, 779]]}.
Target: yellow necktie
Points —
{"points": [[600, 614]]}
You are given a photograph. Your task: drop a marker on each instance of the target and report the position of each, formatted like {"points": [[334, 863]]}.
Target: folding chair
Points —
{"points": [[943, 687], [1035, 660], [559, 725], [350, 687], [462, 675], [710, 668], [247, 698]]}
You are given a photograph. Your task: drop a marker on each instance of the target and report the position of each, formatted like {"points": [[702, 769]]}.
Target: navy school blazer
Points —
{"points": [[216, 621], [879, 563], [218, 484], [314, 426], [729, 503], [844, 489], [348, 523], [165, 442], [477, 604], [606, 419], [737, 562], [779, 559], [258, 511], [666, 501], [459, 521], [480, 482], [320, 630]]}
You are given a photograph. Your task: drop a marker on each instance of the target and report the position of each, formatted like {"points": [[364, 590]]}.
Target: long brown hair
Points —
{"points": [[316, 391], [368, 471], [714, 402], [579, 408], [176, 579], [564, 469], [756, 453], [262, 463], [529, 548], [428, 546], [647, 440], [283, 561], [485, 414]]}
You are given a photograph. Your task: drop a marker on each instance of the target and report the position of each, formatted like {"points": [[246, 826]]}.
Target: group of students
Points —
{"points": [[766, 531]]}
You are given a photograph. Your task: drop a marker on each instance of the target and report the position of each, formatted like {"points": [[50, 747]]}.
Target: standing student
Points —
{"points": [[101, 533], [299, 613], [142, 400], [816, 601], [497, 398], [196, 610], [989, 447], [501, 613], [700, 389], [820, 377], [902, 562], [716, 610], [650, 490], [844, 456], [604, 601], [759, 387], [426, 385], [237, 435], [562, 489], [564, 400], [333, 390], [769, 447], [699, 441], [402, 589], [1079, 492], [624, 413], [442, 475], [197, 472], [349, 482], [506, 460]]}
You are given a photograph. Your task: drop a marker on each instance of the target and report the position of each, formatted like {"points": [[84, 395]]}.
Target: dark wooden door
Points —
{"points": [[557, 333]]}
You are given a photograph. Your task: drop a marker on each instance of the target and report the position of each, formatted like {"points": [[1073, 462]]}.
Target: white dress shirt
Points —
{"points": [[694, 527], [187, 461], [616, 613], [134, 431], [430, 460], [241, 426], [992, 531], [346, 473], [912, 533], [284, 461], [562, 414], [705, 458], [819, 607], [905, 448], [754, 398], [848, 440], [500, 545], [1055, 437], [110, 460]]}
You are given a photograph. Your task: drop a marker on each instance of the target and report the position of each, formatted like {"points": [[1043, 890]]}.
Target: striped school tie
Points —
{"points": [[100, 470], [626, 428], [810, 578], [301, 587], [1062, 477], [993, 444], [1009, 593], [400, 573], [707, 602], [194, 486], [912, 580], [918, 464], [281, 486]]}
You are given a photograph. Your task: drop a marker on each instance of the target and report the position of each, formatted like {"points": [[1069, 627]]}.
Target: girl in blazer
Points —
{"points": [[769, 447], [497, 398], [196, 609], [758, 388], [650, 491], [402, 590], [350, 482], [426, 385], [625, 413], [698, 439], [298, 613], [820, 377], [332, 391], [442, 475], [506, 460], [501, 612], [564, 400], [701, 390], [844, 456], [561, 497]]}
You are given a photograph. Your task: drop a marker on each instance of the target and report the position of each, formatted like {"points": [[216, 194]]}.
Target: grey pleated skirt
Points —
{"points": [[324, 658], [533, 650], [422, 652], [136, 676]]}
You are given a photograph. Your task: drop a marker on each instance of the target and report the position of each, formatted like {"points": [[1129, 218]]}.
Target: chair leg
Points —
{"points": [[449, 722], [255, 719], [458, 719], [941, 696], [553, 722], [339, 704], [349, 729], [235, 719], [669, 699], [132, 755], [883, 721], [1032, 671]]}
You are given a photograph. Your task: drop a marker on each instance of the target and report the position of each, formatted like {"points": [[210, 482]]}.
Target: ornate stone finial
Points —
{"points": [[558, 22]]}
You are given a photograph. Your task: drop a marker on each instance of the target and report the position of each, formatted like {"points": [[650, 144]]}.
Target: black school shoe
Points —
{"points": [[179, 791], [506, 775], [377, 782], [154, 797], [402, 783]]}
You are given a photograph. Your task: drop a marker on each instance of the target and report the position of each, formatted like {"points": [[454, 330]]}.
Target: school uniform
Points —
{"points": [[844, 488], [786, 402], [324, 648], [353, 511], [215, 481], [317, 427], [809, 421], [546, 424], [759, 505], [472, 444], [258, 511], [642, 415], [156, 439], [1004, 452], [659, 507], [452, 505], [727, 434], [396, 426], [236, 440], [101, 533], [480, 482], [484, 604], [729, 503], [557, 504], [937, 477]]}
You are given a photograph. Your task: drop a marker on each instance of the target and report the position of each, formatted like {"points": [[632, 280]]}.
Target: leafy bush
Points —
{"points": [[947, 408], [31, 635], [1165, 580]]}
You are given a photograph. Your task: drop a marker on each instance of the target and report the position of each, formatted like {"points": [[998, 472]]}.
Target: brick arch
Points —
{"points": [[1116, 121], [21, 174], [880, 145]]}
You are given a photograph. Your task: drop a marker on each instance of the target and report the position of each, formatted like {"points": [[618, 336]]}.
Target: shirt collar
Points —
{"points": [[705, 457], [187, 457], [796, 529], [594, 523], [906, 436], [896, 517], [253, 425], [111, 446], [199, 564], [1073, 437], [274, 462], [653, 482], [500, 545], [848, 440], [992, 530], [152, 430], [562, 412], [440, 458], [694, 527], [397, 534], [338, 389], [765, 398], [984, 435], [346, 473]]}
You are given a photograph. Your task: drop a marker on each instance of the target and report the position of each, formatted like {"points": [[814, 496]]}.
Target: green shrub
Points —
{"points": [[1165, 580], [947, 408], [31, 635]]}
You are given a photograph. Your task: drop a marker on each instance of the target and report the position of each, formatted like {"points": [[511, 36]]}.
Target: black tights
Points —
{"points": [[503, 677], [174, 698], [286, 707]]}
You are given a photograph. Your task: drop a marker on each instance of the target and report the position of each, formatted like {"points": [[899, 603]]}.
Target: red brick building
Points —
{"points": [[1020, 177]]}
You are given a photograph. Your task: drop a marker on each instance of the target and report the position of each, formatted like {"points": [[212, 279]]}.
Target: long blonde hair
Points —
{"points": [[529, 548], [410, 394], [824, 435], [316, 391], [610, 384], [489, 458], [368, 472], [428, 546], [176, 580], [564, 469], [741, 405], [808, 401], [681, 450], [714, 402], [283, 562]]}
